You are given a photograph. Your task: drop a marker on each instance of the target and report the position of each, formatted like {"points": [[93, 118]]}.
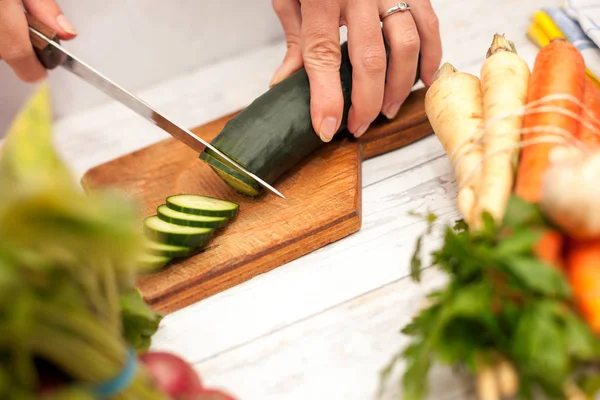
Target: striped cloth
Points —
{"points": [[587, 14], [575, 22]]}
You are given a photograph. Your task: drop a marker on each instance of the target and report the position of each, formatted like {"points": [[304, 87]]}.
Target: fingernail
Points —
{"points": [[64, 23], [274, 79], [327, 129], [361, 130], [391, 111], [277, 76]]}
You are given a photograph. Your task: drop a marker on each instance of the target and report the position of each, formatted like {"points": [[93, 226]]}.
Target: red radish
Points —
{"points": [[210, 394], [49, 384], [172, 374]]}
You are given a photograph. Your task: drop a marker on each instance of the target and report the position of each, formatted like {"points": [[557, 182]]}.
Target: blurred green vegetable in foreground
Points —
{"points": [[69, 310]]}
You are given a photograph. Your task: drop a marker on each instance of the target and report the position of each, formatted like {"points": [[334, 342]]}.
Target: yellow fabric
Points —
{"points": [[547, 26], [542, 30]]}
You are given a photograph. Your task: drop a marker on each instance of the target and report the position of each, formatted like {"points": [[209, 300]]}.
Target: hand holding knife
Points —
{"points": [[51, 54]]}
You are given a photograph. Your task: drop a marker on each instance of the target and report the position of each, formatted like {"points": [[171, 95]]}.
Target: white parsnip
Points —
{"points": [[574, 392], [504, 83], [570, 194], [507, 378], [486, 384], [454, 108]]}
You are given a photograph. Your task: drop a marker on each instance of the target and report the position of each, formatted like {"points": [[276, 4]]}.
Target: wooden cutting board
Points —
{"points": [[322, 205]]}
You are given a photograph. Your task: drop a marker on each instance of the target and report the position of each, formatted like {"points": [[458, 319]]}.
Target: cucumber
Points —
{"points": [[202, 205], [184, 219], [167, 233], [275, 132], [167, 250], [150, 262]]}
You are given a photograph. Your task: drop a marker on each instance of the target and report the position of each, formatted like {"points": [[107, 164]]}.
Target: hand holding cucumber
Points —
{"points": [[312, 31], [15, 46]]}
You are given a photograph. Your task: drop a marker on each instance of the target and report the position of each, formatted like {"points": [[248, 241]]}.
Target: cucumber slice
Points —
{"points": [[184, 219], [202, 205], [167, 250], [241, 183], [152, 262], [165, 232]]}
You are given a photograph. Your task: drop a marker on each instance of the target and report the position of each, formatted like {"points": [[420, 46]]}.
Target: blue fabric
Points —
{"points": [[575, 19], [571, 29], [119, 382], [587, 14]]}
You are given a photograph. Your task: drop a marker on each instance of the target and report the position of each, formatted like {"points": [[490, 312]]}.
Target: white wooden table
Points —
{"points": [[320, 327]]}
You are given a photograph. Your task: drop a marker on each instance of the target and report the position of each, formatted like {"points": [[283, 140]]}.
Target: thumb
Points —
{"points": [[290, 16], [49, 13]]}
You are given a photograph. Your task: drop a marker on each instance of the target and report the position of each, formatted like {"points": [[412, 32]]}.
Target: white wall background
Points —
{"points": [[138, 43]]}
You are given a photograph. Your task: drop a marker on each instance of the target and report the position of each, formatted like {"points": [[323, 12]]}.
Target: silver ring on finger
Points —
{"points": [[400, 7]]}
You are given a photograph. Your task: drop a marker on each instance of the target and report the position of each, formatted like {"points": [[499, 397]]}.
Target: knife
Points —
{"points": [[51, 54]]}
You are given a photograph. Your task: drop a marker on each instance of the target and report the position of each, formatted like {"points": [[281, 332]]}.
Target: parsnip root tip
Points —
{"points": [[500, 43], [444, 71]]}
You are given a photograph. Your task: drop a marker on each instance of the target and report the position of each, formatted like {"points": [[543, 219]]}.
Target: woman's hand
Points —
{"points": [[15, 47], [312, 31]]}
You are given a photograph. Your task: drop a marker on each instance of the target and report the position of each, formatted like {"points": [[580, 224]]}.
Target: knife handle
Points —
{"points": [[48, 56]]}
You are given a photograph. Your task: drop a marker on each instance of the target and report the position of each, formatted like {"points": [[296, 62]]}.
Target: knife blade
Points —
{"points": [[51, 54]]}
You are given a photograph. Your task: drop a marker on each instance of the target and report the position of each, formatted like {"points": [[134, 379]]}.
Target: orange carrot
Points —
{"points": [[558, 69], [549, 248], [583, 266], [591, 102]]}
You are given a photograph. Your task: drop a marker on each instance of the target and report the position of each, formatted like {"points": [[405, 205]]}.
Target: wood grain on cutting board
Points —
{"points": [[322, 205]]}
